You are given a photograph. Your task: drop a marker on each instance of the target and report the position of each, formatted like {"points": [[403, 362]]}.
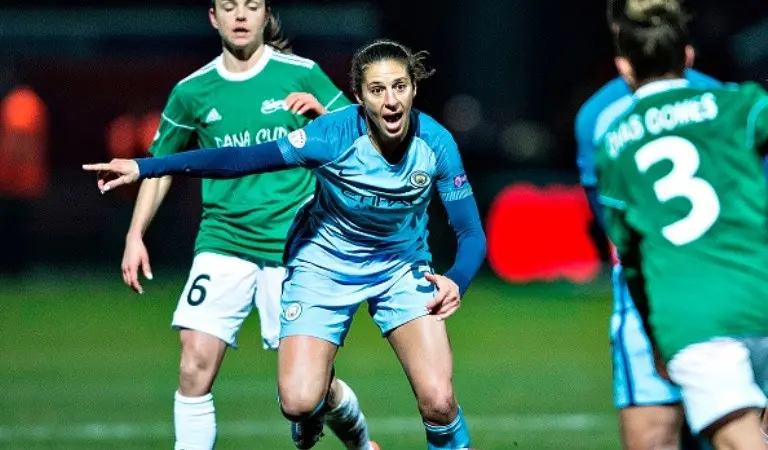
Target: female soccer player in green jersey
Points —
{"points": [[681, 179], [255, 91]]}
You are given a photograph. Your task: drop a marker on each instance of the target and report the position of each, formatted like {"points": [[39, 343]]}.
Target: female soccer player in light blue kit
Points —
{"points": [[362, 237]]}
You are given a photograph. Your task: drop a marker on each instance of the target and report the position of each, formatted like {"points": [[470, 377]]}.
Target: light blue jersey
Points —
{"points": [[369, 216], [364, 235]]}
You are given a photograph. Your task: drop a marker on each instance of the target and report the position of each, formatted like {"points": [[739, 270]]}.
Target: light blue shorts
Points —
{"points": [[313, 304], [635, 380]]}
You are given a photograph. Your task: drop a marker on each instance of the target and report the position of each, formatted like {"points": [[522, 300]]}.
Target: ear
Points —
{"points": [[358, 99], [415, 89], [625, 70], [690, 56], [212, 18], [615, 29]]}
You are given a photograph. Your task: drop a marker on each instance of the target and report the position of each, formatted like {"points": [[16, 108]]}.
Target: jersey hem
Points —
{"points": [[258, 260]]}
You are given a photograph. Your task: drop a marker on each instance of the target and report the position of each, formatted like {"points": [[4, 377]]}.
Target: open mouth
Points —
{"points": [[392, 120], [241, 31]]}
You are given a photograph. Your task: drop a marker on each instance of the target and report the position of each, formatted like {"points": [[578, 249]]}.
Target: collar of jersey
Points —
{"points": [[656, 87], [248, 74], [414, 130], [362, 124]]}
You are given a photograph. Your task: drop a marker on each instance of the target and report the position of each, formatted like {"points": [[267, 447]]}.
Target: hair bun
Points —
{"points": [[652, 12]]}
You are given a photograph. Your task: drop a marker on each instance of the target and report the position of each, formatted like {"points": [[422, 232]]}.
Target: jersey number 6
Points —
{"points": [[681, 182], [197, 291]]}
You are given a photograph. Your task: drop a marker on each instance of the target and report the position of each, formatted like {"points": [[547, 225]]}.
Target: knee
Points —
{"points": [[197, 369], [438, 406], [651, 431], [299, 402]]}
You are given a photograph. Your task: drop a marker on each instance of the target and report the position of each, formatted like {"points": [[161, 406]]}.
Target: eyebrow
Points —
{"points": [[396, 80]]}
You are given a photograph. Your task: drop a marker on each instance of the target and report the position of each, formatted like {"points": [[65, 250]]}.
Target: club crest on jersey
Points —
{"points": [[297, 138], [272, 105], [460, 180], [292, 312], [419, 179]]}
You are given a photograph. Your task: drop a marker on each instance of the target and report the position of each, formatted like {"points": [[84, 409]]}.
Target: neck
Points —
{"points": [[668, 76], [238, 60], [390, 148]]}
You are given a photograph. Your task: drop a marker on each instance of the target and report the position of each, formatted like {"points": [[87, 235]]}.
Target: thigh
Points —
{"points": [[635, 379], [423, 348], [217, 297], [304, 367], [716, 379]]}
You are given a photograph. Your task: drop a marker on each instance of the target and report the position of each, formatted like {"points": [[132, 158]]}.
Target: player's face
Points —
{"points": [[239, 22], [387, 93]]}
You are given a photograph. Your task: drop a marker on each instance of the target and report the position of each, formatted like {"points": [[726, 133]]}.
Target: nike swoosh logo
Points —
{"points": [[344, 172]]}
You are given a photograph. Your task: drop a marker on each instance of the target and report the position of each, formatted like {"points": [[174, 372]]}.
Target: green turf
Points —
{"points": [[87, 364]]}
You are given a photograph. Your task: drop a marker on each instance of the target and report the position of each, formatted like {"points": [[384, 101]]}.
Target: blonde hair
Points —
{"points": [[651, 12]]}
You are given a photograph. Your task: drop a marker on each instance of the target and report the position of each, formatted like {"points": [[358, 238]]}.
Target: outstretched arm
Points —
{"points": [[225, 162], [309, 147]]}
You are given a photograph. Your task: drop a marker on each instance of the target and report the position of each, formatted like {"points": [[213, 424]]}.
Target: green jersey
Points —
{"points": [[686, 205], [247, 217]]}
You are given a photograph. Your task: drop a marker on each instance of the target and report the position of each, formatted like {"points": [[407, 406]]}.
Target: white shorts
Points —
{"points": [[717, 378], [222, 290]]}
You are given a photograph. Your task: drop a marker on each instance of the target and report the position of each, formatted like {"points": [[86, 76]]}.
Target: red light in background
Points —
{"points": [[149, 125], [541, 234], [129, 136], [121, 140], [22, 110]]}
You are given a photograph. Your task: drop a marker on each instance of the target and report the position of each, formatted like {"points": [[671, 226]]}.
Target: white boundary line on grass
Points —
{"points": [[273, 428]]}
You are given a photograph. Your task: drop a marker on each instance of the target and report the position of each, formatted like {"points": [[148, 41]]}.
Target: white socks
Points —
{"points": [[194, 419], [348, 422]]}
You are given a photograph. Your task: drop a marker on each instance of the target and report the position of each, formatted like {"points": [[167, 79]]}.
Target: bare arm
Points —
{"points": [[151, 195]]}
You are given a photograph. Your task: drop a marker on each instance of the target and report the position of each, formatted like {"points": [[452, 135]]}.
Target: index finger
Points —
{"points": [[438, 299], [96, 167]]}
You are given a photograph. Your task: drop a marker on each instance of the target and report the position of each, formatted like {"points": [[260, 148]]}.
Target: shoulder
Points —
{"points": [[602, 108], [611, 91], [292, 61], [702, 80], [748, 96], [747, 89], [192, 82], [434, 134], [342, 126]]}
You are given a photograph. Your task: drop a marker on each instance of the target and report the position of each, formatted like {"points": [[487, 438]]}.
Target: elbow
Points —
{"points": [[483, 246]]}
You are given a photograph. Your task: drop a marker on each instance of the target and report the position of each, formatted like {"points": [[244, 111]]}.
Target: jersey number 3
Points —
{"points": [[681, 182]]}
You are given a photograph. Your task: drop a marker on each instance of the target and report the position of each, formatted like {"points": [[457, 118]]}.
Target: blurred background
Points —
{"points": [[85, 363]]}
